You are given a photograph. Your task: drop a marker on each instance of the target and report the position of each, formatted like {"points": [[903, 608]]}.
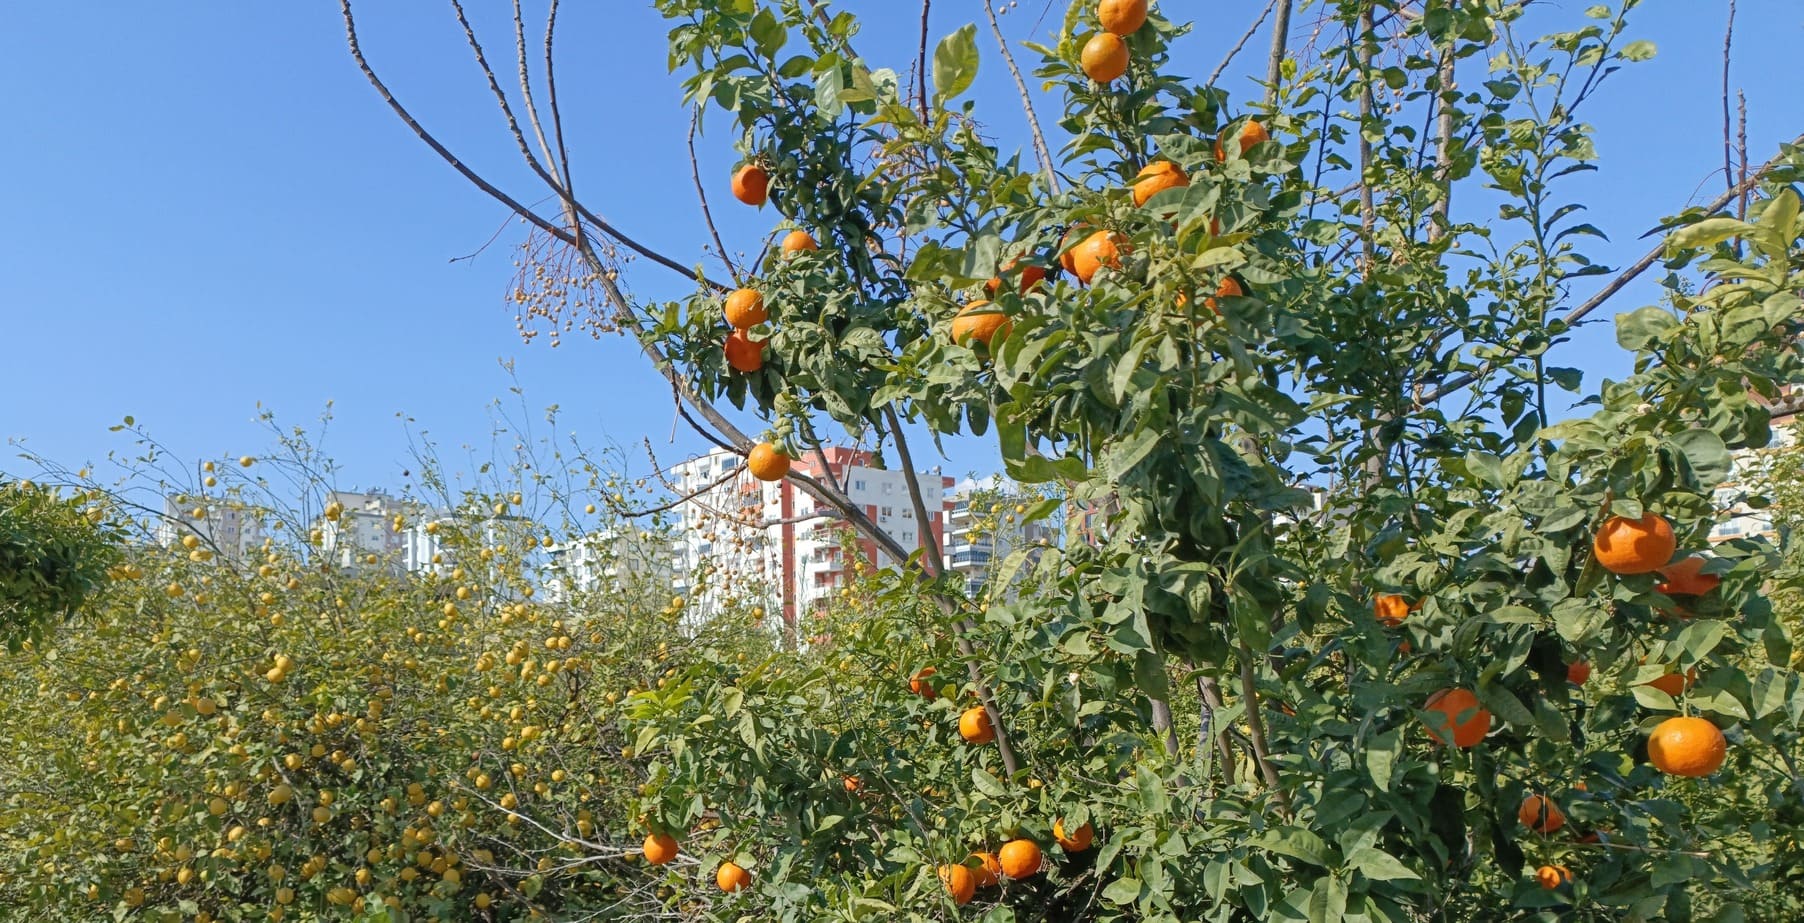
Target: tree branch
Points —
{"points": [[1245, 37], [1041, 152]]}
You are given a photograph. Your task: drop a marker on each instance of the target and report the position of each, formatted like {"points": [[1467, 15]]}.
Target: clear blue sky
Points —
{"points": [[207, 207]]}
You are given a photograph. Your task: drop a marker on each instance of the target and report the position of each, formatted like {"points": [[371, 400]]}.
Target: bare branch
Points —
{"points": [[701, 195], [557, 118], [921, 62], [507, 109], [1041, 152], [433, 142], [532, 108], [1245, 37], [1256, 726], [932, 544], [1445, 94], [1728, 43]]}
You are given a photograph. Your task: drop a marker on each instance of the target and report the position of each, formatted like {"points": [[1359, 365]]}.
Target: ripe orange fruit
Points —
{"points": [[1030, 276], [766, 463], [1250, 134], [959, 882], [1634, 546], [1105, 57], [751, 184], [920, 684], [1540, 814], [1451, 704], [1673, 684], [744, 354], [1156, 177], [1229, 288], [1684, 577], [977, 322], [974, 726], [797, 241], [1103, 248], [660, 848], [745, 309], [730, 877], [1078, 841], [1578, 671], [989, 869], [1390, 608], [1687, 747], [1121, 17], [1553, 876], [854, 784], [1020, 858]]}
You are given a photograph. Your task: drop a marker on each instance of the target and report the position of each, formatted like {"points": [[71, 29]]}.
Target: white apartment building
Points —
{"points": [[365, 526], [236, 532], [743, 542], [612, 559]]}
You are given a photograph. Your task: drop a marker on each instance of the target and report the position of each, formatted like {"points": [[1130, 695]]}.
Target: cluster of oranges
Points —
{"points": [[745, 306], [1685, 746]]}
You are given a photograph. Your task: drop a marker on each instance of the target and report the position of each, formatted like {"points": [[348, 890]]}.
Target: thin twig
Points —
{"points": [[1728, 43], [701, 195], [532, 108], [1368, 219], [1244, 38], [507, 109], [433, 142], [1041, 152], [557, 118]]}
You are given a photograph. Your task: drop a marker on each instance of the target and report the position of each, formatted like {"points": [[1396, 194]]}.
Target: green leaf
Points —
{"points": [[1707, 454], [1705, 233], [1639, 330], [1486, 467], [1123, 891], [1381, 757], [988, 784], [1378, 865], [1294, 842], [1152, 790], [768, 34], [955, 63], [1638, 50], [827, 89]]}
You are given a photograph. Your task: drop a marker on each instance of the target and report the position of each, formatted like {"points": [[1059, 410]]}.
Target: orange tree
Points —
{"points": [[1278, 377]]}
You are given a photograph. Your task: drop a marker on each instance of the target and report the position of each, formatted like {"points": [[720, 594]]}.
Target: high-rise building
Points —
{"points": [[365, 526], [984, 526], [753, 543]]}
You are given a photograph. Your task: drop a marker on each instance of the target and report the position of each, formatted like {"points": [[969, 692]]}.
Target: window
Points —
{"points": [[857, 485], [889, 487], [885, 512]]}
